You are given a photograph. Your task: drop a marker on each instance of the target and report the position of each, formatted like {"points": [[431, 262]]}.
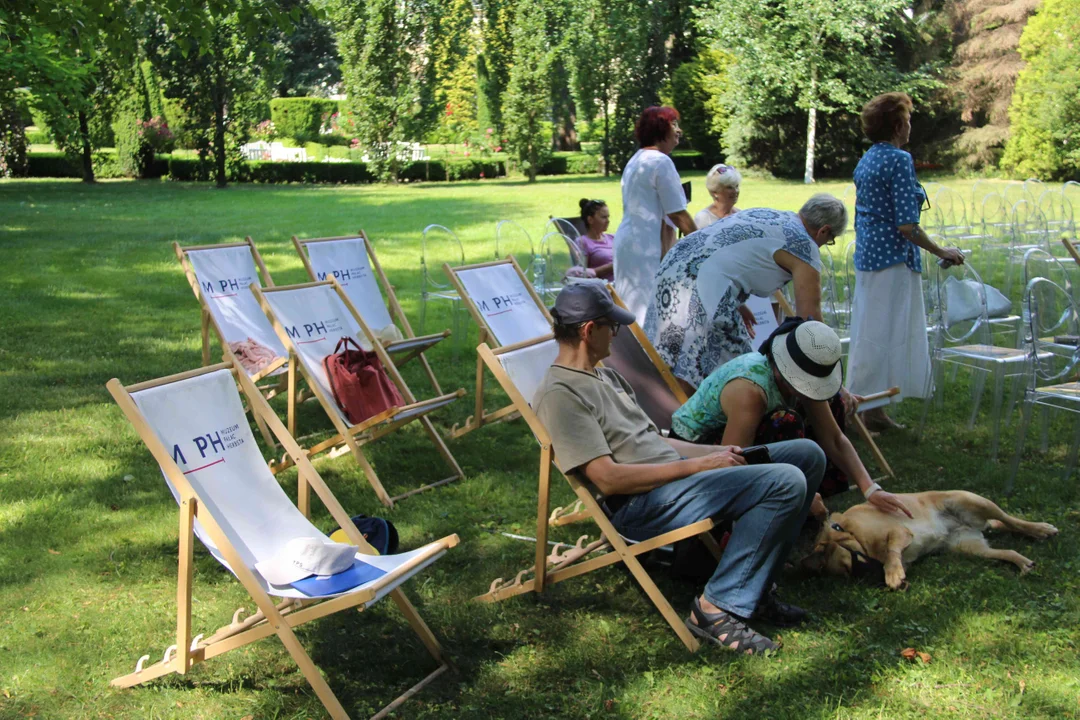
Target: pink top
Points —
{"points": [[599, 252]]}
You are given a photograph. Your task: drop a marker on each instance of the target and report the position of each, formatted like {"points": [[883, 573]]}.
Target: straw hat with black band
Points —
{"points": [[807, 354]]}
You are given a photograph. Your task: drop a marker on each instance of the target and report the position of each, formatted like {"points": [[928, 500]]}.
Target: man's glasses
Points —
{"points": [[615, 327]]}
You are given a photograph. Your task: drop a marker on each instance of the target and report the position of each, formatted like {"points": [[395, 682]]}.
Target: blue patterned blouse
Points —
{"points": [[887, 195]]}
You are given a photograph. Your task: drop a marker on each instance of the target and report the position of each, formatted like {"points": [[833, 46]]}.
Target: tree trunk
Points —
{"points": [[219, 137], [811, 129], [86, 155], [607, 142]]}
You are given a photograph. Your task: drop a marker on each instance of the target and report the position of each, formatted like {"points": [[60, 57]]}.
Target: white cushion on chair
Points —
{"points": [[962, 301]]}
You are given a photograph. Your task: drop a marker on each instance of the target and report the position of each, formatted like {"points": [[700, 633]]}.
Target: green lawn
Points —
{"points": [[91, 290]]}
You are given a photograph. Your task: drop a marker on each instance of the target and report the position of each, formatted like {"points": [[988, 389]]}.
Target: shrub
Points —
{"points": [[106, 165], [1044, 139], [134, 150], [38, 137], [300, 118]]}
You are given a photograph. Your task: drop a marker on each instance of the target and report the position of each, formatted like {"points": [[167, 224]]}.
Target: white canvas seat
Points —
{"points": [[508, 311], [219, 275], [195, 426], [309, 320], [353, 262]]}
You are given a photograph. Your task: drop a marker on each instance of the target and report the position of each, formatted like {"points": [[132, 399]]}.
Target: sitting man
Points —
{"points": [[653, 485]]}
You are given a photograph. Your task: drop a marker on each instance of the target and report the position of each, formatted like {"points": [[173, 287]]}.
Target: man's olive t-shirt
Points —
{"points": [[592, 414]]}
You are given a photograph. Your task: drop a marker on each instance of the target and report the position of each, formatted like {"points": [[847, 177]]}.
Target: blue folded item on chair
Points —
{"points": [[320, 585]]}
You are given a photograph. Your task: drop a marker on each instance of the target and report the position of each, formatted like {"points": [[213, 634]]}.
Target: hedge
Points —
{"points": [[57, 164], [301, 117], [106, 165]]}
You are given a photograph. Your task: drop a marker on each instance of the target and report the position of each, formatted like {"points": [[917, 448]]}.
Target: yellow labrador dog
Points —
{"points": [[953, 519]]}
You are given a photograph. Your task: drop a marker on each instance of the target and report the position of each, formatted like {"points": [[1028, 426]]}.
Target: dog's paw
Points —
{"points": [[895, 578], [1043, 530], [1027, 567]]}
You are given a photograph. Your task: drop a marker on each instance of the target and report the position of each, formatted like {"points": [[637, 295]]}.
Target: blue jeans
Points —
{"points": [[767, 505]]}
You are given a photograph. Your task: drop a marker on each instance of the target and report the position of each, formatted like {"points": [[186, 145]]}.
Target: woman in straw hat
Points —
{"points": [[790, 389]]}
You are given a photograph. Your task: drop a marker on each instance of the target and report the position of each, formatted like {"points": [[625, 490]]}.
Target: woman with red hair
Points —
{"points": [[653, 206]]}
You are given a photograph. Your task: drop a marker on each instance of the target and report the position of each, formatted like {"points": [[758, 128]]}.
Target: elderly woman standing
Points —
{"points": [[888, 323], [694, 319], [653, 201], [723, 183]]}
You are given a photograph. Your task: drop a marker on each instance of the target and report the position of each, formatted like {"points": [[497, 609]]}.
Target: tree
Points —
{"points": [[618, 61], [219, 73], [697, 90], [497, 48], [528, 92], [36, 54], [984, 71], [1044, 140], [382, 70], [821, 55], [311, 65]]}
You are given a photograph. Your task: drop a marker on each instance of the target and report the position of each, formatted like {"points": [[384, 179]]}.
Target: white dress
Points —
{"points": [[651, 191], [694, 319]]}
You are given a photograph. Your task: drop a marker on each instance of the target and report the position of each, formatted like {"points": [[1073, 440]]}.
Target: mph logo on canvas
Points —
{"points": [[315, 331], [226, 287], [207, 449], [501, 304], [344, 276]]}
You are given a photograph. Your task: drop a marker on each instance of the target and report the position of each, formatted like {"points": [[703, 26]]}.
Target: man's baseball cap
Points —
{"points": [[581, 302]]}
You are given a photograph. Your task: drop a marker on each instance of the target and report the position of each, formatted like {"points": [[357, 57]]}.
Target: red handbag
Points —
{"points": [[359, 383]]}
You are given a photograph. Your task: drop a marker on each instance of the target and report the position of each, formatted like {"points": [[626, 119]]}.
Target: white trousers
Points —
{"points": [[889, 347]]}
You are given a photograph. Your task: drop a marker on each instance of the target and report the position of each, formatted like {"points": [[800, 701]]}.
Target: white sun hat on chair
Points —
{"points": [[809, 359]]}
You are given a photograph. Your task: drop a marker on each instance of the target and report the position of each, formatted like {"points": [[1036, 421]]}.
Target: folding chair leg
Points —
{"points": [[978, 386], [935, 387], [369, 472], [418, 625], [430, 373], [874, 449], [995, 411], [311, 673], [441, 446], [1070, 460], [634, 566], [205, 338], [1025, 422]]}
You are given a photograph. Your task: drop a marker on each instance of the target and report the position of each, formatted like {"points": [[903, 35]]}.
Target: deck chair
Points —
{"points": [[352, 261], [194, 424], [219, 276], [634, 357], [309, 319], [520, 369], [508, 311]]}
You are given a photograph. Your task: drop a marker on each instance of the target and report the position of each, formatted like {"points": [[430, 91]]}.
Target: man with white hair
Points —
{"points": [[697, 320]]}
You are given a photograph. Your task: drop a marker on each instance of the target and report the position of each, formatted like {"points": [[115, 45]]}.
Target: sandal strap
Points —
{"points": [[737, 634]]}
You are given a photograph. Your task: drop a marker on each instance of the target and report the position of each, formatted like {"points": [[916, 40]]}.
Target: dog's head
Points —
{"points": [[838, 552]]}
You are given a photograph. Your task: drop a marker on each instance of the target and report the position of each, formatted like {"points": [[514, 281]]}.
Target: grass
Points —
{"points": [[91, 290]]}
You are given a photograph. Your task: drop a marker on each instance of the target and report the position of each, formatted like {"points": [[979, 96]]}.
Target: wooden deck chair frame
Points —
{"points": [[352, 439], [209, 321], [566, 562], [396, 311], [272, 617], [481, 417], [677, 389]]}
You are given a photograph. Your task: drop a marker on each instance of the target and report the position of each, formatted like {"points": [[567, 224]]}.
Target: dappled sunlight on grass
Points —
{"points": [[92, 290]]}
